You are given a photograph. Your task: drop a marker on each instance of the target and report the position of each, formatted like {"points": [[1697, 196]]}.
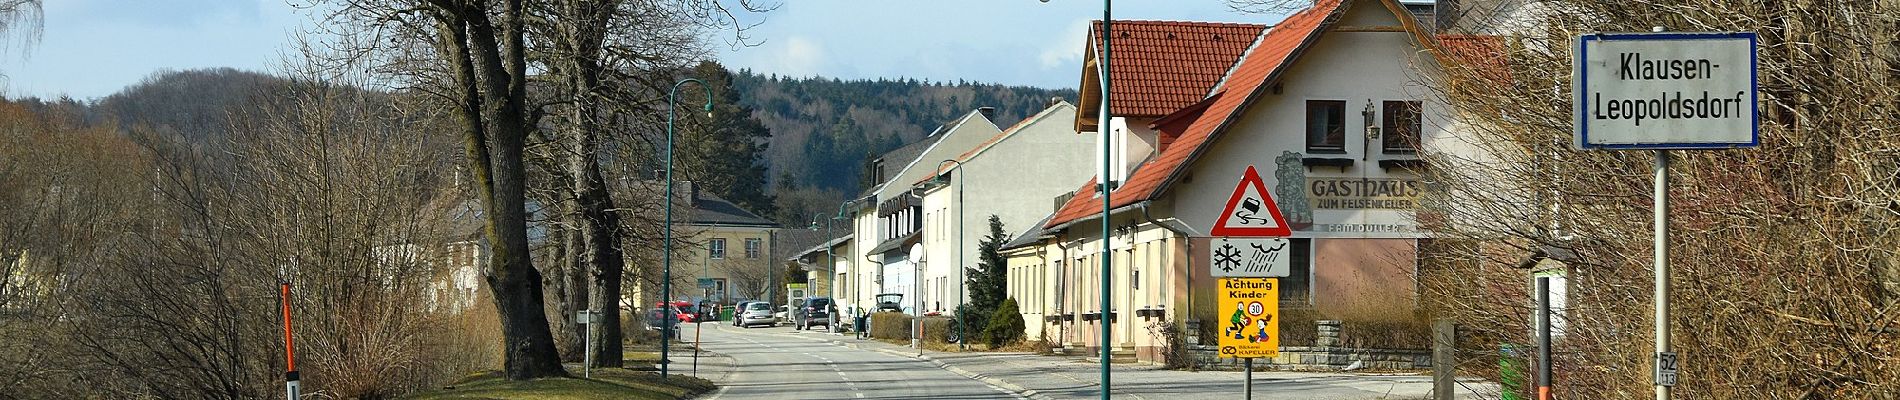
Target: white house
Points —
{"points": [[1016, 176], [887, 217]]}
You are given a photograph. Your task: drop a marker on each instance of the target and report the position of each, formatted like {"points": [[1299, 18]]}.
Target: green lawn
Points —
{"points": [[606, 384]]}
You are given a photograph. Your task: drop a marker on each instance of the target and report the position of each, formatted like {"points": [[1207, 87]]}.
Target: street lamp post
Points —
{"points": [[963, 339], [831, 265], [666, 250], [1102, 125], [853, 271]]}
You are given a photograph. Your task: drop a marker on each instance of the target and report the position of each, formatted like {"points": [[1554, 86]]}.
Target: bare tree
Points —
{"points": [[1784, 256]]}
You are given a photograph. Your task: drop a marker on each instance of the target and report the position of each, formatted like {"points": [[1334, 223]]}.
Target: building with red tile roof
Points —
{"points": [[1161, 66], [1328, 106]]}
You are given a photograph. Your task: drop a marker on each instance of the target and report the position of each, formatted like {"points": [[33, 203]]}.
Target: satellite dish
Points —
{"points": [[917, 252]]}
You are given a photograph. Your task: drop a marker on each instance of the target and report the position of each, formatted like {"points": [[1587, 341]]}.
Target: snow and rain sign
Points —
{"points": [[1666, 91]]}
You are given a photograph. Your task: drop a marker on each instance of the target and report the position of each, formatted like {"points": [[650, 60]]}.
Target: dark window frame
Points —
{"points": [[1323, 136], [1398, 135], [1296, 290]]}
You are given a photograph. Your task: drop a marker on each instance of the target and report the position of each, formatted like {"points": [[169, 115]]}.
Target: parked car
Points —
{"points": [[679, 312], [892, 302], [784, 313], [817, 311], [756, 313], [740, 308], [656, 318]]}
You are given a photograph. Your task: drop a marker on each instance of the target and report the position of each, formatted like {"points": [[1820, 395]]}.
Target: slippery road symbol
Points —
{"points": [[1249, 212]]}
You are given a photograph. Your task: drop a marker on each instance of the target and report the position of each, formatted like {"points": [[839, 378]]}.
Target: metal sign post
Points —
{"points": [[1661, 256], [1661, 91], [1249, 378], [586, 319]]}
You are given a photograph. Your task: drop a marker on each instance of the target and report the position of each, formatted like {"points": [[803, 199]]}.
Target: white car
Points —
{"points": [[756, 313], [784, 313]]}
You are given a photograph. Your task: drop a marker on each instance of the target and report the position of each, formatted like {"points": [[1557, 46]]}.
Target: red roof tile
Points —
{"points": [[1161, 66], [1478, 56], [1274, 52]]}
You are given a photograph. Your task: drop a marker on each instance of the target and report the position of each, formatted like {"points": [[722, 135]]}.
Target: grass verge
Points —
{"points": [[606, 384]]}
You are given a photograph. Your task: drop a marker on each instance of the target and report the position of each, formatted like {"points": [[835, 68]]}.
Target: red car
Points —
{"points": [[677, 308]]}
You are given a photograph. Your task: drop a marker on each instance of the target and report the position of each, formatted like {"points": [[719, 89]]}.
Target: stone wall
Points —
{"points": [[1326, 355]]}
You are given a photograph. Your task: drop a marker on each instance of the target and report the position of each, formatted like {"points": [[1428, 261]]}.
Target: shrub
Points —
{"points": [[977, 320], [937, 329], [1006, 326], [890, 325]]}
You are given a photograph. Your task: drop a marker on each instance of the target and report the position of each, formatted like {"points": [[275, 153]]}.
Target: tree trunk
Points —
{"points": [[600, 227], [494, 130], [570, 286]]}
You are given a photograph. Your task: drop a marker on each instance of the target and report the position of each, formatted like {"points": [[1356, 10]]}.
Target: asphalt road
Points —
{"points": [[778, 363]]}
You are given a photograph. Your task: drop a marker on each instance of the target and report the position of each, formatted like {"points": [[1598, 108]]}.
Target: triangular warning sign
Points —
{"points": [[1250, 212]]}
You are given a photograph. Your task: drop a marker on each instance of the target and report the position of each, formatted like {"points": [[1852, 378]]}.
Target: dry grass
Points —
{"points": [[606, 384]]}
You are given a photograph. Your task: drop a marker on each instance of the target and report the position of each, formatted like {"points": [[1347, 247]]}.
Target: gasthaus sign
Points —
{"points": [[1666, 91]]}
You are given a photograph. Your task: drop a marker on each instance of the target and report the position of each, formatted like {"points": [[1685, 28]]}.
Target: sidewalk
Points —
{"points": [[1059, 377]]}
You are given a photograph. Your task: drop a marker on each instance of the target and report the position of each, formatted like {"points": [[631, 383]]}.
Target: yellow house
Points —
{"points": [[726, 253]]}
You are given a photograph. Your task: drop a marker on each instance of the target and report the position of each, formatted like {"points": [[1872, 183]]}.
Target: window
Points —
{"points": [[753, 246], [716, 248], [1296, 288], [1326, 126], [1401, 131]]}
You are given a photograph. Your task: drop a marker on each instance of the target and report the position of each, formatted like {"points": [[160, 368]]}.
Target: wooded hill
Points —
{"points": [[824, 129]]}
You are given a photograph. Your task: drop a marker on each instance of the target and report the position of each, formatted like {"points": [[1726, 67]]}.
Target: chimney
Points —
{"points": [[989, 113]]}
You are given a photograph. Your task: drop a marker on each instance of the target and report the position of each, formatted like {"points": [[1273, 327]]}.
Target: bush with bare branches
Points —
{"points": [[1784, 256]]}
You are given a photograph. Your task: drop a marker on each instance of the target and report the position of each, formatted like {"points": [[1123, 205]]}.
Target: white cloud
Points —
{"points": [[1065, 50], [799, 56]]}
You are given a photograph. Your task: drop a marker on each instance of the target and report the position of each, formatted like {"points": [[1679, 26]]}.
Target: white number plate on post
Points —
{"points": [[1666, 369]]}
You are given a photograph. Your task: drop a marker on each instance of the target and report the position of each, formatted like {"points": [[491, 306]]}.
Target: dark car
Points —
{"points": [[817, 311]]}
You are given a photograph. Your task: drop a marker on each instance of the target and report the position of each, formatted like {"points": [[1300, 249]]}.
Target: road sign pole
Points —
{"points": [[1249, 378], [587, 320], [1661, 257], [1543, 338], [293, 384]]}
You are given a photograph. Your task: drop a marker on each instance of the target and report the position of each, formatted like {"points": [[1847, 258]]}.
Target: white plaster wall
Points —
{"points": [[1356, 67], [1016, 179], [973, 129]]}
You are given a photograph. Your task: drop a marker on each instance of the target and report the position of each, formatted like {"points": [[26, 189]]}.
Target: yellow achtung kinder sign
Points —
{"points": [[1252, 309]]}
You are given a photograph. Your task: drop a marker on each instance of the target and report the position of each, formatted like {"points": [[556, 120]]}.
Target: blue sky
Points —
{"points": [[92, 48]]}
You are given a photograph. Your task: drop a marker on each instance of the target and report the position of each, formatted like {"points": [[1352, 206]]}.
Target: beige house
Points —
{"points": [[1326, 104], [727, 253]]}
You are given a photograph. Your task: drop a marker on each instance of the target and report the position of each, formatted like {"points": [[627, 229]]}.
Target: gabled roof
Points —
{"points": [[809, 242], [1006, 134], [1161, 66], [710, 209], [908, 155], [1265, 62]]}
